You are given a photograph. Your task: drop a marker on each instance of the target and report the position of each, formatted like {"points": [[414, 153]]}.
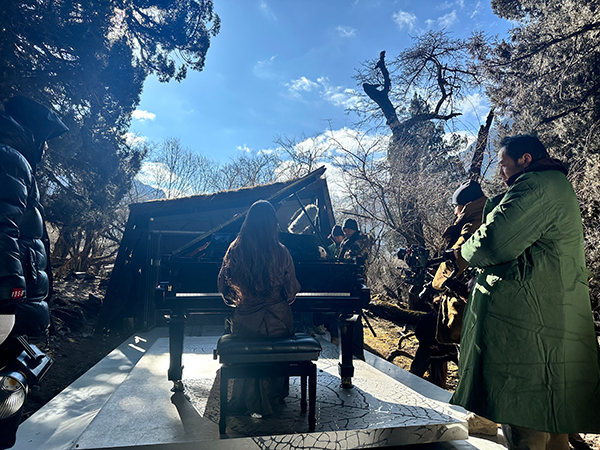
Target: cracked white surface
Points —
{"points": [[378, 411]]}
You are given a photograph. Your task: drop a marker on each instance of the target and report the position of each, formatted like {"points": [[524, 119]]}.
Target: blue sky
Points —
{"points": [[285, 67]]}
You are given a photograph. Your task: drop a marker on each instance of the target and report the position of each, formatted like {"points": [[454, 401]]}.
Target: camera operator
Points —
{"points": [[25, 277], [355, 244], [440, 329], [25, 126], [468, 201]]}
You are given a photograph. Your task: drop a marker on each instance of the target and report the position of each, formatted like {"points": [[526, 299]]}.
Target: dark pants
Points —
{"points": [[521, 438], [438, 367], [431, 354]]}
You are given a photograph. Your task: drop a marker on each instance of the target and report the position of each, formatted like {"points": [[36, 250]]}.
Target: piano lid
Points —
{"points": [[276, 200]]}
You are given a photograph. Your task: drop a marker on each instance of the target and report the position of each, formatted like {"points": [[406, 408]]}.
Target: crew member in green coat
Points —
{"points": [[529, 354]]}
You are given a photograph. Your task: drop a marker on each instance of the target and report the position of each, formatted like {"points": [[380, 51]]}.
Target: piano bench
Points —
{"points": [[269, 357]]}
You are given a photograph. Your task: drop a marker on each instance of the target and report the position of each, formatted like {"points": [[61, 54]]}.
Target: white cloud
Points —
{"points": [[334, 146], [404, 19], [134, 139], [476, 10], [357, 141], [266, 10], [140, 114], [345, 31], [264, 69], [338, 95], [244, 148], [448, 20], [302, 84], [444, 5], [344, 141], [450, 4], [474, 104]]}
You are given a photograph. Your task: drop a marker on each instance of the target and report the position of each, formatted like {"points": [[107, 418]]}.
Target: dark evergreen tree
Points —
{"points": [[546, 76], [88, 60]]}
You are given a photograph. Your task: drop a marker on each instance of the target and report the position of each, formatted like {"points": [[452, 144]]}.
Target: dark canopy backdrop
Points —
{"points": [[88, 60]]}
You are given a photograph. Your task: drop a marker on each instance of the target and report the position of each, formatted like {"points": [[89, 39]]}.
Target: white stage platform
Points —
{"points": [[125, 402]]}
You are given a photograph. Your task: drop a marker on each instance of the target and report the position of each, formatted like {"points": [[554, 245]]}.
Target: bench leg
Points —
{"points": [[176, 332], [312, 397], [223, 400], [346, 368], [303, 393]]}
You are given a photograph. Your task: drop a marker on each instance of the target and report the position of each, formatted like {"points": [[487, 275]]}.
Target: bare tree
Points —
{"points": [[374, 194], [176, 171], [417, 99], [249, 169], [436, 67], [302, 155]]}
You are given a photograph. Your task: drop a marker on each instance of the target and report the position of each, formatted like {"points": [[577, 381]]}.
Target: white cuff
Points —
{"points": [[7, 322]]}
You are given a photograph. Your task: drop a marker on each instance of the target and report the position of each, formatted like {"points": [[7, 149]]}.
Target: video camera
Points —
{"points": [[417, 260]]}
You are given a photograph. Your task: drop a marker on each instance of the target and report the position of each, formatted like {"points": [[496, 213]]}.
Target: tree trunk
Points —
{"points": [[394, 313], [482, 139]]}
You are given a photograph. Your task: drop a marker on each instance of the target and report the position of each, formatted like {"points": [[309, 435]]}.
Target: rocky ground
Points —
{"points": [[75, 347]]}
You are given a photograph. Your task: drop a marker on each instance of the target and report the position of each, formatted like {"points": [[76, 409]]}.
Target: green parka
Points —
{"points": [[529, 353]]}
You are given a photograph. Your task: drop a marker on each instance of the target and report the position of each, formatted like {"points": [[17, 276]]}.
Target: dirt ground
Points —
{"points": [[75, 348]]}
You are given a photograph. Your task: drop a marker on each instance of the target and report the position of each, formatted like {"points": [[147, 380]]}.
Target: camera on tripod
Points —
{"points": [[417, 260]]}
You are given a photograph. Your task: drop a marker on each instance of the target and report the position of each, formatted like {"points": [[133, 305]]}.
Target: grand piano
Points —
{"points": [[184, 246]]}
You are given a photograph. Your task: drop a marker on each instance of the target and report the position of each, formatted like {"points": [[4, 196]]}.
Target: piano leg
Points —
{"points": [[346, 369], [176, 332]]}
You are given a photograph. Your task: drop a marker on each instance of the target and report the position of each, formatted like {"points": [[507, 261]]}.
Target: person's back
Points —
{"points": [[258, 278]]}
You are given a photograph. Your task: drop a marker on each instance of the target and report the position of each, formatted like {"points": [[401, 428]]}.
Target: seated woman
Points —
{"points": [[258, 279]]}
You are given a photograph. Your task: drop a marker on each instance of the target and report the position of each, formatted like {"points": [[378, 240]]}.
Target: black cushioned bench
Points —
{"points": [[271, 357]]}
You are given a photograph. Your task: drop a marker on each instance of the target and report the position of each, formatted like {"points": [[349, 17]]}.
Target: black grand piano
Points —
{"points": [[185, 245]]}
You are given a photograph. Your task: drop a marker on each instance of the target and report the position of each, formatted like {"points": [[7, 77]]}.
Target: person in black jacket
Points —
{"points": [[25, 126]]}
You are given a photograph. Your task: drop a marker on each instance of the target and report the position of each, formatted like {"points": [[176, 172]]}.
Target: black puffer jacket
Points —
{"points": [[24, 284]]}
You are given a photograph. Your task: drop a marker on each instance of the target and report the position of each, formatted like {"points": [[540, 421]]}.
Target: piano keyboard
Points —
{"points": [[299, 295]]}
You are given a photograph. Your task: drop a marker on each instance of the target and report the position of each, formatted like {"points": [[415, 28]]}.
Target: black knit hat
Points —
{"points": [[336, 231], [467, 192], [350, 224]]}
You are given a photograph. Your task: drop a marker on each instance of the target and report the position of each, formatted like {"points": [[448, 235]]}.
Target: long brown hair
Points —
{"points": [[256, 249]]}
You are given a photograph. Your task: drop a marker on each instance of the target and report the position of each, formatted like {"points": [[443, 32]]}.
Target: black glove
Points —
{"points": [[450, 255]]}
